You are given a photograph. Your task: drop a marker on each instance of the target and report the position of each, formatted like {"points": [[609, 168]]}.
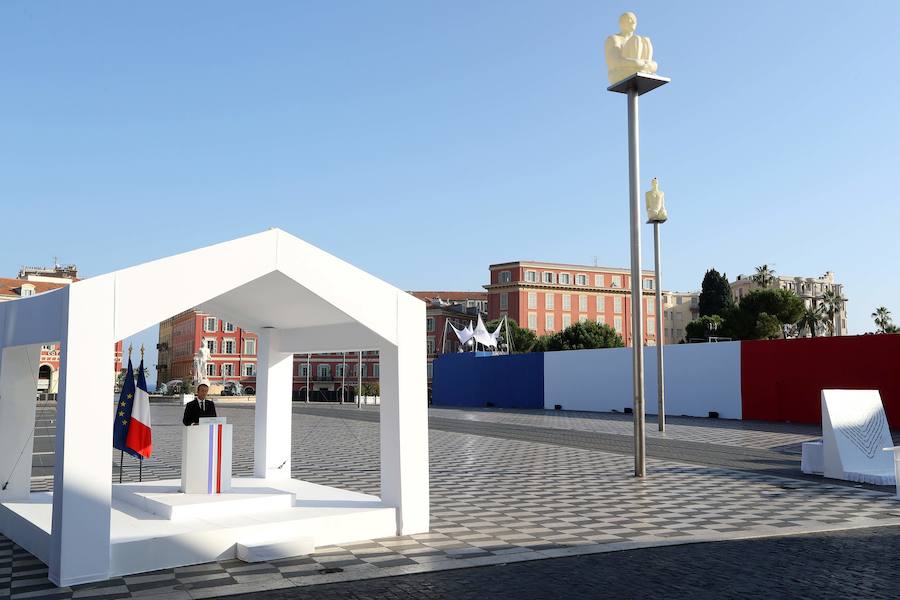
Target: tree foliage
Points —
{"points": [[764, 276], [523, 340], [883, 321], [715, 294], [746, 321], [704, 327], [580, 336]]}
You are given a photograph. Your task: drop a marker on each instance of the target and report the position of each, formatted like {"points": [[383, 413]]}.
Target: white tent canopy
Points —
{"points": [[297, 298]]}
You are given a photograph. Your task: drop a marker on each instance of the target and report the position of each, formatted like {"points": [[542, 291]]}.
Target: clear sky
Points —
{"points": [[423, 141]]}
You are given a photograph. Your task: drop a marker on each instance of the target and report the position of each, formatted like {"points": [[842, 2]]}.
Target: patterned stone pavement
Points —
{"points": [[494, 500]]}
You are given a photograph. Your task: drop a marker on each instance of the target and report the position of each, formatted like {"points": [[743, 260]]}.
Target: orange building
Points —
{"points": [[548, 297]]}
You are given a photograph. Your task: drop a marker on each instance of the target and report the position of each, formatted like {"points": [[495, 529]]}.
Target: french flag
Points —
{"points": [[140, 438]]}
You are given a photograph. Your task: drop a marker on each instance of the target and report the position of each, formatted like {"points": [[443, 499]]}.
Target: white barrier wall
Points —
{"points": [[699, 378]]}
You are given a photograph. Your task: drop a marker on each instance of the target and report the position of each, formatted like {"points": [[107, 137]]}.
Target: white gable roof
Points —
{"points": [[269, 279]]}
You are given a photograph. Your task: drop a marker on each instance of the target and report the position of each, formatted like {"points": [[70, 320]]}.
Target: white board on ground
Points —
{"points": [[854, 435]]}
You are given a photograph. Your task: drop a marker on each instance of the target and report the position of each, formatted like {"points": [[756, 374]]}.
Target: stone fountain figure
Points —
{"points": [[628, 53], [200, 359], [656, 203]]}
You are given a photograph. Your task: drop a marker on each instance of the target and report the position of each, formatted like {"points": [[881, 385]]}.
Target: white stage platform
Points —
{"points": [[154, 526]]}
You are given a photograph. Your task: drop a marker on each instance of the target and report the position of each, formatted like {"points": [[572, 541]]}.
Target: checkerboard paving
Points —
{"points": [[493, 500]]}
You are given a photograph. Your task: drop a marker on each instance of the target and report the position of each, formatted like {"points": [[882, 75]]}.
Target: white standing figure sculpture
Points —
{"points": [[200, 360], [628, 53], [656, 203]]}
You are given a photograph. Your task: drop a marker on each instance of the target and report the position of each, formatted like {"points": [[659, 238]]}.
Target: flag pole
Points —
{"points": [[141, 458], [122, 452]]}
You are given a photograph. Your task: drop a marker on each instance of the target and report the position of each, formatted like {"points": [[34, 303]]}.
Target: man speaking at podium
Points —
{"points": [[199, 407]]}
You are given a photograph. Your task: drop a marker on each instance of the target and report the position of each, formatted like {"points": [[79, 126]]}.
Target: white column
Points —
{"points": [[272, 443], [18, 386], [82, 476], [404, 423]]}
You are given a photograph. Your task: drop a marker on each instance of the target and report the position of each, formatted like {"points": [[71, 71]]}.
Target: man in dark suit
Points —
{"points": [[199, 407]]}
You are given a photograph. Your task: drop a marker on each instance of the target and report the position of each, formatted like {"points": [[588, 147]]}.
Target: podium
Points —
{"points": [[206, 457]]}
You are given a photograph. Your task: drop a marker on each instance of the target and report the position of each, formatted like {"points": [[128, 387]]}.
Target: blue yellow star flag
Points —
{"points": [[123, 413]]}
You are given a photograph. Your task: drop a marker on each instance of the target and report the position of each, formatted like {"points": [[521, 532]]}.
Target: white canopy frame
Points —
{"points": [[297, 297]]}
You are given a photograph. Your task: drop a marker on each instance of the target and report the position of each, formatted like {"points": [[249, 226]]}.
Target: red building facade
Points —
{"points": [[548, 297]]}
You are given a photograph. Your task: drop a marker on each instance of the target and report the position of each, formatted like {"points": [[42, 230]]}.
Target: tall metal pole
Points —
{"points": [[343, 374], [660, 341], [307, 377], [359, 381], [637, 313]]}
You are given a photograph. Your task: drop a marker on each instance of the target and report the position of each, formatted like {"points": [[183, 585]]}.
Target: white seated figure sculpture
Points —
{"points": [[656, 203], [628, 53]]}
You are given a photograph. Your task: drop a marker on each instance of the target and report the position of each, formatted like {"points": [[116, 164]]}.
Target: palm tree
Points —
{"points": [[833, 303], [882, 318], [812, 319], [765, 276]]}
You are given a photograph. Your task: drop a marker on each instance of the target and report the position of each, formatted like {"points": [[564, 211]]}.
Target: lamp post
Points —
{"points": [[634, 86], [656, 216]]}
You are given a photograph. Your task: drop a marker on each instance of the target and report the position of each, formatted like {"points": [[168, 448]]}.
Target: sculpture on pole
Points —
{"points": [[656, 203], [200, 360], [628, 53]]}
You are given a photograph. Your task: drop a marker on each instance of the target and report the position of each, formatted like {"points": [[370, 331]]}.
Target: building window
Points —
{"points": [[250, 347], [532, 299], [340, 370], [323, 371], [211, 346], [429, 323], [617, 324], [504, 300], [429, 344], [598, 280], [601, 304], [567, 302], [566, 320], [601, 320], [227, 370], [227, 327], [582, 302], [532, 321], [548, 322], [27, 290], [505, 276], [429, 370], [565, 279], [651, 325], [362, 370], [228, 346], [376, 370], [581, 279], [582, 318], [547, 277], [303, 370], [651, 306], [249, 369], [616, 281], [209, 324], [617, 304], [211, 369], [531, 276], [648, 284], [548, 301]]}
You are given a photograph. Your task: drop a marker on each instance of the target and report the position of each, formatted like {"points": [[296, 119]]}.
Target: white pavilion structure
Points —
{"points": [[298, 299]]}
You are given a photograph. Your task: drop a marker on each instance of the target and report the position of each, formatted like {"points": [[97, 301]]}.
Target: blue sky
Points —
{"points": [[423, 141]]}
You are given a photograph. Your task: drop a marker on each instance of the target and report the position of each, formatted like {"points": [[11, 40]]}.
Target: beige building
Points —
{"points": [[679, 309], [810, 289]]}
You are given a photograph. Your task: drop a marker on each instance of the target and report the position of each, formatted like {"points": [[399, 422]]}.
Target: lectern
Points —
{"points": [[206, 457]]}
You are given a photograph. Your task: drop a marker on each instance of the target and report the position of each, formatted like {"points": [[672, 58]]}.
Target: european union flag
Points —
{"points": [[123, 413]]}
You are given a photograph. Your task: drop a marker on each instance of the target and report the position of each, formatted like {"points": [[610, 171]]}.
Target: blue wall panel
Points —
{"points": [[515, 381]]}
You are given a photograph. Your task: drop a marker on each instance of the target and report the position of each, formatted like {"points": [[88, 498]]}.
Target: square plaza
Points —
{"points": [[495, 499]]}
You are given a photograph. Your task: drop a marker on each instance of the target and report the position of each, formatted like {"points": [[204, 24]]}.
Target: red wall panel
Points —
{"points": [[782, 380]]}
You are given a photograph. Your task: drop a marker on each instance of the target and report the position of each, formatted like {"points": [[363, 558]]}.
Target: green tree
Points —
{"points": [[581, 336], [715, 294], [833, 303], [764, 276], [703, 328], [812, 319], [746, 322], [523, 340], [768, 327], [882, 317]]}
